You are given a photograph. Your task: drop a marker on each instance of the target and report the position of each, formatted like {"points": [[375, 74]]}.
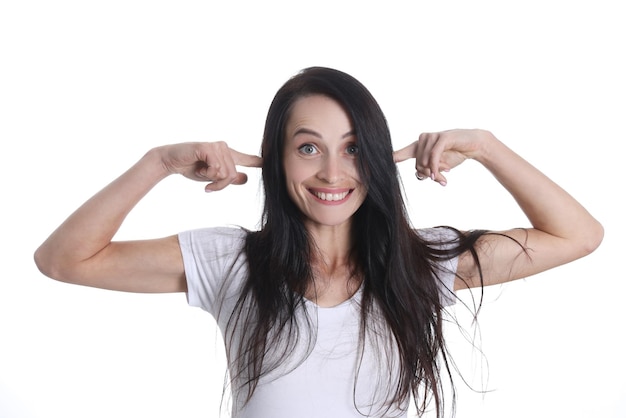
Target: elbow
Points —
{"points": [[43, 263], [49, 265], [592, 238]]}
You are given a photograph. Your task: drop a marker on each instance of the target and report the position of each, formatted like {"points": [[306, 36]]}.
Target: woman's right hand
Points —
{"points": [[214, 162], [81, 249]]}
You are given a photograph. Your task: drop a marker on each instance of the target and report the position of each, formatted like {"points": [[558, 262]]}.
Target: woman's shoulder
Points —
{"points": [[225, 233], [439, 234], [213, 240]]}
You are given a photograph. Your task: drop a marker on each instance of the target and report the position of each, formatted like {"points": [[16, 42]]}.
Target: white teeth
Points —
{"points": [[331, 197]]}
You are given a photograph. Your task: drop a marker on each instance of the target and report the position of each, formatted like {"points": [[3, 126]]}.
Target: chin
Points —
{"points": [[328, 221]]}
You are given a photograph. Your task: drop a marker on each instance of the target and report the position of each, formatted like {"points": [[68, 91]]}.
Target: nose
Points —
{"points": [[330, 171]]}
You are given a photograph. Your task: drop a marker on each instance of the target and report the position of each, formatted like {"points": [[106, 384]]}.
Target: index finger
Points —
{"points": [[405, 153], [246, 160]]}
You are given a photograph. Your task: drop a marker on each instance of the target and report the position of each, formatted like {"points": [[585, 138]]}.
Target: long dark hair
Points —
{"points": [[399, 269]]}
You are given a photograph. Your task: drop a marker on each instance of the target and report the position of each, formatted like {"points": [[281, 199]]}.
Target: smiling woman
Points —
{"points": [[320, 160], [335, 305]]}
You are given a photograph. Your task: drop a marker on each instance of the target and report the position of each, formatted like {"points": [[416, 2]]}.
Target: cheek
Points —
{"points": [[297, 171], [353, 170]]}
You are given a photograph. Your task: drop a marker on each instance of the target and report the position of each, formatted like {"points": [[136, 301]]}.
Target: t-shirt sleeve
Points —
{"points": [[446, 269], [214, 265]]}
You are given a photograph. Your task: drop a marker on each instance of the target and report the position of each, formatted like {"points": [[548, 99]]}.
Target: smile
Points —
{"points": [[330, 197]]}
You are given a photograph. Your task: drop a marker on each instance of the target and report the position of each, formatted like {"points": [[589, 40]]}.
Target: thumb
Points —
{"points": [[242, 178]]}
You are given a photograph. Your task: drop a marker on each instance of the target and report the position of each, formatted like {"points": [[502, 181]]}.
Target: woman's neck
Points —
{"points": [[335, 277], [331, 245]]}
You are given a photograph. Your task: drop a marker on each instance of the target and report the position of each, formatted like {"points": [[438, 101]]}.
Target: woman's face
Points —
{"points": [[320, 161]]}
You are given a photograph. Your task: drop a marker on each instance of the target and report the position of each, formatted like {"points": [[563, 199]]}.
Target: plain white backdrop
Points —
{"points": [[87, 87]]}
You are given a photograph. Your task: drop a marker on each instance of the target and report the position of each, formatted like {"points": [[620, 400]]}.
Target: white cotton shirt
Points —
{"points": [[331, 378]]}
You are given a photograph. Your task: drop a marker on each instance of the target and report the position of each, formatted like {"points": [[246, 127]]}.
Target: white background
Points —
{"points": [[86, 87]]}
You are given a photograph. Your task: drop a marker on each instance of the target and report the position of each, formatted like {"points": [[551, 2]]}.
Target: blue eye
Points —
{"points": [[352, 149], [307, 149]]}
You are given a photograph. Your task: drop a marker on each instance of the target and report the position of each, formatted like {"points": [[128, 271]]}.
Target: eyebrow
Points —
{"points": [[307, 131]]}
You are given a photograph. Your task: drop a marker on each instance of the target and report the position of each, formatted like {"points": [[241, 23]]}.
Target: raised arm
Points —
{"points": [[562, 229], [80, 251]]}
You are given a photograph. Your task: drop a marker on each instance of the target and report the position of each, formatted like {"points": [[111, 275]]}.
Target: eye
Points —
{"points": [[307, 149], [352, 149]]}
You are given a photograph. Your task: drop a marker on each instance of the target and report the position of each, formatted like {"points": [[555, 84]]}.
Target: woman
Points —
{"points": [[334, 307]]}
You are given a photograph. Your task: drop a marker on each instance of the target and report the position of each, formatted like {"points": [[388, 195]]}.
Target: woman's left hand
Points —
{"points": [[562, 229], [439, 152]]}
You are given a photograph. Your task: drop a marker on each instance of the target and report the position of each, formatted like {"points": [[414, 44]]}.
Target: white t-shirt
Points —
{"points": [[330, 377]]}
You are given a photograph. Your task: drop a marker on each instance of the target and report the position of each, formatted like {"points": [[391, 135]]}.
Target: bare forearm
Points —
{"points": [[81, 251], [562, 230], [92, 226], [548, 207]]}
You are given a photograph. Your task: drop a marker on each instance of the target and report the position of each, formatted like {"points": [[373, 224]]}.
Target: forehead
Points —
{"points": [[318, 110]]}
